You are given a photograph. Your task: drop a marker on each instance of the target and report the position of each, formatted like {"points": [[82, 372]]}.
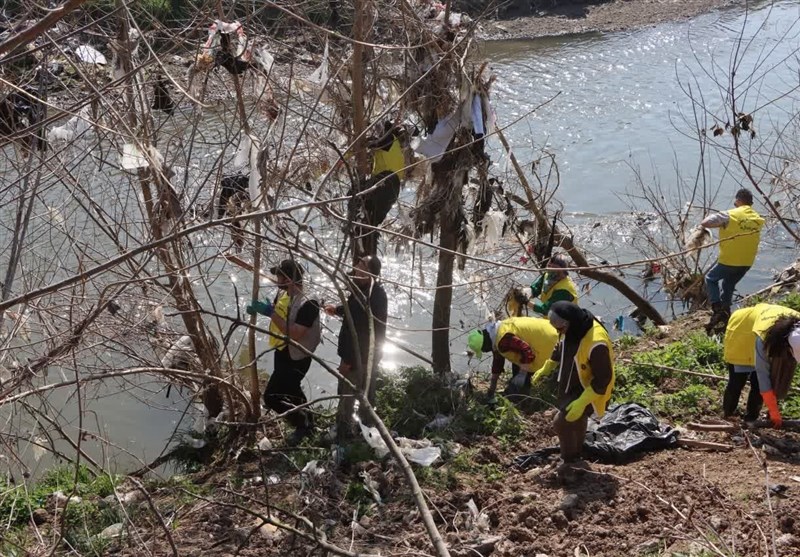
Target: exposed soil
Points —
{"points": [[583, 17], [744, 502], [674, 501]]}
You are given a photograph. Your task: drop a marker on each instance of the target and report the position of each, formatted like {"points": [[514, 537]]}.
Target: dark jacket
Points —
{"points": [[360, 312]]}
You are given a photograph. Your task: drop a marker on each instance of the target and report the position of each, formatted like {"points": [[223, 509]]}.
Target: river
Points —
{"points": [[610, 103]]}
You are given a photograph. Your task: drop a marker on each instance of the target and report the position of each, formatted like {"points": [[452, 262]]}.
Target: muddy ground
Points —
{"points": [[677, 502], [568, 18], [744, 502]]}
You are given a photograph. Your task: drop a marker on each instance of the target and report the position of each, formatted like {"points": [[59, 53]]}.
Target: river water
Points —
{"points": [[611, 103]]}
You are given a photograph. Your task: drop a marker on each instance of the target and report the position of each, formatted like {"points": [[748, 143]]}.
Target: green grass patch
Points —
{"points": [[413, 398], [649, 381], [18, 500]]}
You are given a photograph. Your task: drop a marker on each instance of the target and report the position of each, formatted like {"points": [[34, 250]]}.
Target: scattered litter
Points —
{"points": [[313, 470], [37, 448], [132, 157], [89, 55], [478, 520], [264, 59], [417, 451], [74, 127], [439, 422], [195, 443], [698, 238], [493, 224], [265, 444], [795, 478], [371, 486], [113, 531], [181, 354]]}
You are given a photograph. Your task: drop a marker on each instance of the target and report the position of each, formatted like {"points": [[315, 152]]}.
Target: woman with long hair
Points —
{"points": [[762, 345]]}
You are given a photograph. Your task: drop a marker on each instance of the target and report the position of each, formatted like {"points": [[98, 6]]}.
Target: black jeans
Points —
{"points": [[372, 209], [730, 400], [285, 391]]}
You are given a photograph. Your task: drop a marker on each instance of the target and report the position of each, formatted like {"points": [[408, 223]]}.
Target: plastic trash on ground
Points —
{"points": [[478, 520], [313, 469], [624, 432], [89, 55], [415, 450], [74, 127]]}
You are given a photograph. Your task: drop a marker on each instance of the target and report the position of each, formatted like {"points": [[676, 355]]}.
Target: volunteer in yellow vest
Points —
{"points": [[585, 363], [554, 286], [388, 163], [526, 342], [295, 316], [762, 344], [739, 234]]}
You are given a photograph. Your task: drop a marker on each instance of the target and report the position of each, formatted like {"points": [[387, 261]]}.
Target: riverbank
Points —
{"points": [[574, 18], [278, 501]]}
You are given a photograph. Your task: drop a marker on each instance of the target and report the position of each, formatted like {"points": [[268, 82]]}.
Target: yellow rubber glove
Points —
{"points": [[577, 407], [545, 370]]}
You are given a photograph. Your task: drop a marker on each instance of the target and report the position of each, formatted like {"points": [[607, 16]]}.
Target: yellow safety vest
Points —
{"points": [[282, 311], [536, 331], [739, 239], [597, 335], [745, 325], [391, 160], [564, 284]]}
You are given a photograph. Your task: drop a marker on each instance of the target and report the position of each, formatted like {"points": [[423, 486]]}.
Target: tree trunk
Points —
{"points": [[448, 240]]}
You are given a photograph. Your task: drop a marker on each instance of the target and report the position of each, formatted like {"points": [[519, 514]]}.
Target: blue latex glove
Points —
{"points": [[264, 308]]}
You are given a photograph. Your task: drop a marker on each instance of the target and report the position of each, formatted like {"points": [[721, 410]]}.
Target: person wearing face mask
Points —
{"points": [[585, 361], [293, 316], [553, 286], [363, 331]]}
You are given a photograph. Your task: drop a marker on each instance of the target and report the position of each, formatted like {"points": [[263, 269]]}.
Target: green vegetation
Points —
{"points": [[82, 520], [649, 381], [416, 396]]}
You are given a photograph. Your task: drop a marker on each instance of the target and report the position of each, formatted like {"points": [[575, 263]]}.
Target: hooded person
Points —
{"points": [[295, 332], [553, 286], [526, 342], [585, 362], [762, 345]]}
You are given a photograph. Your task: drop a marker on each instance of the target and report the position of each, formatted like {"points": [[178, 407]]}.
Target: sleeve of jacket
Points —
{"points": [[379, 304], [600, 360], [512, 343], [346, 344]]}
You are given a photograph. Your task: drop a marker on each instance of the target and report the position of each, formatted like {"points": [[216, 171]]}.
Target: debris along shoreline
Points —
{"points": [[680, 500], [576, 18]]}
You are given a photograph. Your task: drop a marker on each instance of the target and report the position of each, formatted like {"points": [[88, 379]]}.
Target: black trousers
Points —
{"points": [[733, 391], [372, 209], [285, 390]]}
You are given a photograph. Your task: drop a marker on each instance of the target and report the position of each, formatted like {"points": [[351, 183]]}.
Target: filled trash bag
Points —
{"points": [[623, 433]]}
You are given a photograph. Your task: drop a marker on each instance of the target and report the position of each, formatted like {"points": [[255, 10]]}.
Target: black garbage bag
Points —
{"points": [[625, 431]]}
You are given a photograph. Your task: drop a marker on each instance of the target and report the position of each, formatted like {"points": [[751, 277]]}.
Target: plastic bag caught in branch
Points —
{"points": [[132, 158], [74, 127]]}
